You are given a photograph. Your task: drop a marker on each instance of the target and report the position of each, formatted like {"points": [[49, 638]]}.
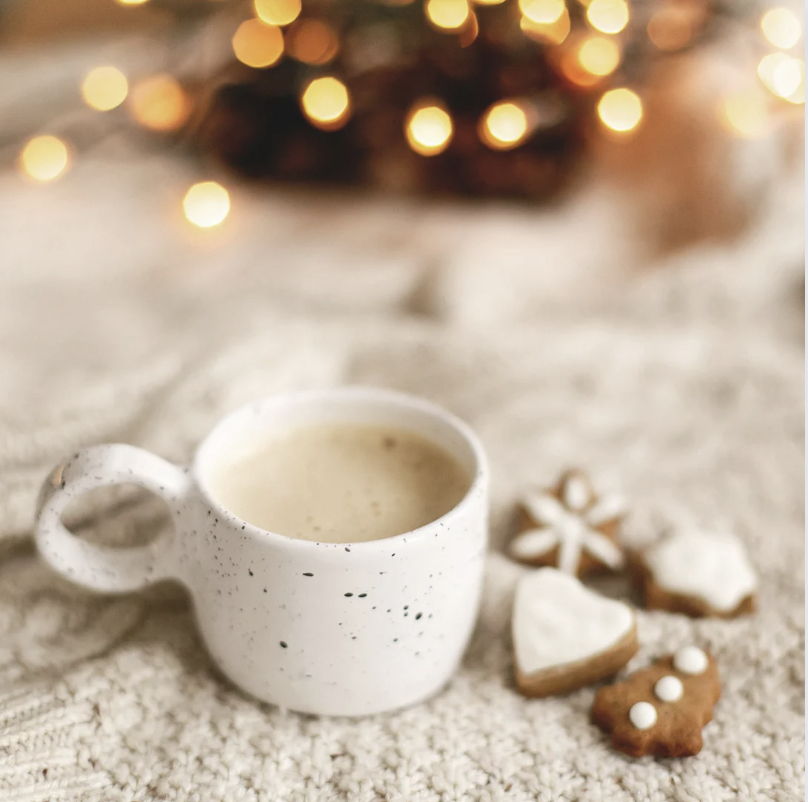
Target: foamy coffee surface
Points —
{"points": [[341, 482]]}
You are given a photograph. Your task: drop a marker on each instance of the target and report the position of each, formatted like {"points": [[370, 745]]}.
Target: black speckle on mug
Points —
{"points": [[250, 572], [265, 590], [308, 574], [284, 644], [418, 616], [347, 549], [348, 594], [362, 595]]}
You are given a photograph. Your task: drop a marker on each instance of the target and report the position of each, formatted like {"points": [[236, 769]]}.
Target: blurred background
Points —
{"points": [[275, 187]]}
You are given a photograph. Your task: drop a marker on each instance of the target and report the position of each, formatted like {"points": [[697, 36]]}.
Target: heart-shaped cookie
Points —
{"points": [[566, 636]]}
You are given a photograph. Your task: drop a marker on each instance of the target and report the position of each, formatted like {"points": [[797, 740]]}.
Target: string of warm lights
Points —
{"points": [[585, 41]]}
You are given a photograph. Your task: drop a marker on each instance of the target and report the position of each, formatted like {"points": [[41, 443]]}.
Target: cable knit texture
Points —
{"points": [[677, 381]]}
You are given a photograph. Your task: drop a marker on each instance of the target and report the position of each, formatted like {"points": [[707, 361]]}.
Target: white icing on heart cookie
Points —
{"points": [[642, 715], [570, 522], [690, 660], [669, 688], [556, 621], [712, 567]]}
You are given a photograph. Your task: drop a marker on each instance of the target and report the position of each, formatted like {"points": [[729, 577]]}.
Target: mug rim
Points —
{"points": [[358, 392]]}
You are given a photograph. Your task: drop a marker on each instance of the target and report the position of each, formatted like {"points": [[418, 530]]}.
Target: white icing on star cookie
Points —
{"points": [[570, 522], [712, 567], [669, 688], [557, 620], [690, 660], [642, 715]]}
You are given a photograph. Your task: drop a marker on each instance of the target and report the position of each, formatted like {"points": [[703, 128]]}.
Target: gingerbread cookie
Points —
{"points": [[699, 574], [570, 527], [660, 710], [566, 636]]}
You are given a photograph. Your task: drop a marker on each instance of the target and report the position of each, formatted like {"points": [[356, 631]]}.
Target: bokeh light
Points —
{"points": [[277, 12], [159, 103], [449, 15], [608, 16], [131, 2], [543, 12], [312, 42], [206, 204], [599, 55], [257, 44], [326, 103], [783, 75], [505, 125], [104, 88], [745, 114], [620, 110], [428, 128], [673, 26], [781, 27], [44, 158], [553, 33]]}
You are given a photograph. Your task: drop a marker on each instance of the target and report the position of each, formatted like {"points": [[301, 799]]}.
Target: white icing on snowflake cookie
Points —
{"points": [[699, 573], [568, 523], [565, 635]]}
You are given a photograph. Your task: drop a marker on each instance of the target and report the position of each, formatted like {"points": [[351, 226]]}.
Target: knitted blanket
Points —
{"points": [[677, 380]]}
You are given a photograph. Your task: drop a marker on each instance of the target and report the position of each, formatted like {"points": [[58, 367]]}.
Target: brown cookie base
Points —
{"points": [[677, 732], [655, 597], [571, 676]]}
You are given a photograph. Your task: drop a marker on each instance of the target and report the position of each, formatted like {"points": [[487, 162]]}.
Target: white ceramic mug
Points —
{"points": [[329, 628]]}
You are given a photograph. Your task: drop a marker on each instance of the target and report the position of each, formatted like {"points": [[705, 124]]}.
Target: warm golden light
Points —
{"points": [[783, 75], [598, 55], [326, 103], [745, 114], [781, 27], [570, 65], [312, 42], [44, 158], [554, 33], [428, 129], [104, 88], [257, 44], [620, 110], [673, 26], [504, 125], [543, 12], [277, 12], [206, 204], [131, 2], [488, 2], [447, 15], [159, 103], [607, 16]]}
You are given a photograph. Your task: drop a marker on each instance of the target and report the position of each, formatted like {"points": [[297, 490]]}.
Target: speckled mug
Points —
{"points": [[327, 628]]}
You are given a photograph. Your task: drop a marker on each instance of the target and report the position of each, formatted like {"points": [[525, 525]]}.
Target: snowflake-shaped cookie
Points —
{"points": [[570, 527]]}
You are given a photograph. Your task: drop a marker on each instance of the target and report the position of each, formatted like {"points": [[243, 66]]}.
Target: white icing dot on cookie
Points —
{"points": [[669, 688], [690, 660], [642, 715]]}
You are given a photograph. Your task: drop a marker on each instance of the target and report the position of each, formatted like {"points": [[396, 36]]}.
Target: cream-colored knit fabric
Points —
{"points": [[678, 382]]}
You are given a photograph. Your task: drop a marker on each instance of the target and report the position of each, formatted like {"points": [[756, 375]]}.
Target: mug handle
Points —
{"points": [[103, 568]]}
